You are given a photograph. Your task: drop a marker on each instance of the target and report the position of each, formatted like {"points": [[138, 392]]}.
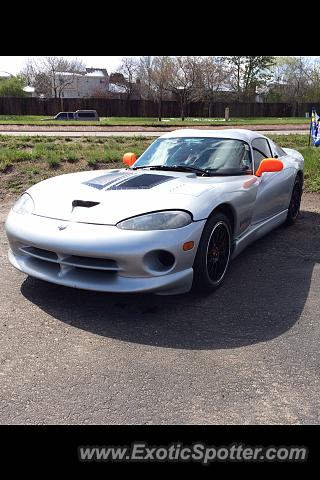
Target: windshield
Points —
{"points": [[218, 156]]}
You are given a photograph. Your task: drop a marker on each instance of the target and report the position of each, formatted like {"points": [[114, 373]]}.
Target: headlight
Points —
{"points": [[157, 221], [24, 205]]}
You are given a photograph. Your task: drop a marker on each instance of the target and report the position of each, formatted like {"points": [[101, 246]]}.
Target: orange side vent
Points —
{"points": [[188, 246]]}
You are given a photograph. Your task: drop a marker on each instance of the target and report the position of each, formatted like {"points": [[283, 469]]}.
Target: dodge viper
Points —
{"points": [[169, 221]]}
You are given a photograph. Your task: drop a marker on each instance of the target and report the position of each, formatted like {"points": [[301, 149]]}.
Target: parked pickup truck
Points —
{"points": [[78, 115]]}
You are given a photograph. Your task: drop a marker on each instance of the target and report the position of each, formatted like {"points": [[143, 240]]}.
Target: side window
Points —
{"points": [[70, 115], [62, 116], [261, 150], [86, 114], [277, 151]]}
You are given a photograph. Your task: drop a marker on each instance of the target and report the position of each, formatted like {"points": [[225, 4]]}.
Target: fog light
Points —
{"points": [[166, 258], [188, 246], [159, 261]]}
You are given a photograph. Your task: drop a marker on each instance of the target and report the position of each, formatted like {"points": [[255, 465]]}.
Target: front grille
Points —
{"points": [[39, 253], [66, 261]]}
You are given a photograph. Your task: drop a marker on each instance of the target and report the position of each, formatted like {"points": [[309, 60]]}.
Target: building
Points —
{"points": [[29, 91], [5, 75], [94, 82]]}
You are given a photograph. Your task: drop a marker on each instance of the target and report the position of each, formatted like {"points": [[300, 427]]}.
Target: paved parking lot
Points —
{"points": [[247, 354]]}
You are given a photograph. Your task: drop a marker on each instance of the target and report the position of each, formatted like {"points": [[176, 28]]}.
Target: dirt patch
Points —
{"points": [[311, 202]]}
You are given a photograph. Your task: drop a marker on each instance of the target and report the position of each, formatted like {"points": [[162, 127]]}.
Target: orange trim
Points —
{"points": [[188, 246], [129, 158], [269, 165]]}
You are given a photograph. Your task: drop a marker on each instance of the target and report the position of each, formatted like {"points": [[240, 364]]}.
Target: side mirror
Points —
{"points": [[269, 165], [129, 159]]}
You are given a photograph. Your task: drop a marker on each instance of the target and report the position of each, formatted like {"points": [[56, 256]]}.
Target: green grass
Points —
{"points": [[29, 159], [53, 161], [72, 157], [310, 154], [152, 121]]}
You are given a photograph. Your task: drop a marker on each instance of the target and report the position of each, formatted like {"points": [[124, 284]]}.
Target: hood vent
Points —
{"points": [[104, 180], [83, 203]]}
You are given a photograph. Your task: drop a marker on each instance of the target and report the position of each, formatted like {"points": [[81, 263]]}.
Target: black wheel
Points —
{"points": [[294, 206], [213, 255]]}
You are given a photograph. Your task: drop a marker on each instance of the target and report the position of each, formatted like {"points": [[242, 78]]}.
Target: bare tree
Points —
{"points": [[99, 93], [36, 78], [46, 75], [153, 74], [184, 80], [161, 74], [144, 74], [128, 68], [213, 76]]}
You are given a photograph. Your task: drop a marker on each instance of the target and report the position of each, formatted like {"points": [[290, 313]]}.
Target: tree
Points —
{"points": [[144, 71], [126, 74], [247, 73], [12, 87], [128, 68], [99, 93], [117, 78], [313, 91], [295, 80], [184, 80], [213, 76], [153, 75], [161, 74], [44, 75]]}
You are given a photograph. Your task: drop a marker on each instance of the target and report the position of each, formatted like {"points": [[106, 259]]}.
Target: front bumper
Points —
{"points": [[101, 257]]}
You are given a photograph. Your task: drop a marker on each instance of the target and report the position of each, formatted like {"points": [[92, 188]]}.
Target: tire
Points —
{"points": [[213, 254], [295, 200]]}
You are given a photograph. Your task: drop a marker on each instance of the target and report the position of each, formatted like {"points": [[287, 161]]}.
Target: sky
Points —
{"points": [[14, 64]]}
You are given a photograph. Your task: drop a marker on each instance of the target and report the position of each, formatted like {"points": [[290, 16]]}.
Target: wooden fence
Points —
{"points": [[146, 108]]}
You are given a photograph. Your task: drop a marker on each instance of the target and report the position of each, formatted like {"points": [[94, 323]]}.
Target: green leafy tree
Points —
{"points": [[12, 87], [295, 80], [247, 73]]}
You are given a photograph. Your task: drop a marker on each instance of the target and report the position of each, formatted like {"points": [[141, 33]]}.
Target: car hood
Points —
{"points": [[109, 196]]}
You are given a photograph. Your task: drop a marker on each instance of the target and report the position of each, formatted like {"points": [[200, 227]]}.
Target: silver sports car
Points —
{"points": [[169, 221]]}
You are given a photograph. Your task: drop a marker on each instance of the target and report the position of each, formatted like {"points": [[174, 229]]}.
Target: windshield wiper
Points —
{"points": [[178, 168], [145, 166]]}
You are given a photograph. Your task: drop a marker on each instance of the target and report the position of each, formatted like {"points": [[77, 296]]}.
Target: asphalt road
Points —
{"points": [[88, 133], [247, 354]]}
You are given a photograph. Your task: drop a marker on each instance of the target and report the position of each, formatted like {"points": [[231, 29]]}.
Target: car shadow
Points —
{"points": [[262, 297]]}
